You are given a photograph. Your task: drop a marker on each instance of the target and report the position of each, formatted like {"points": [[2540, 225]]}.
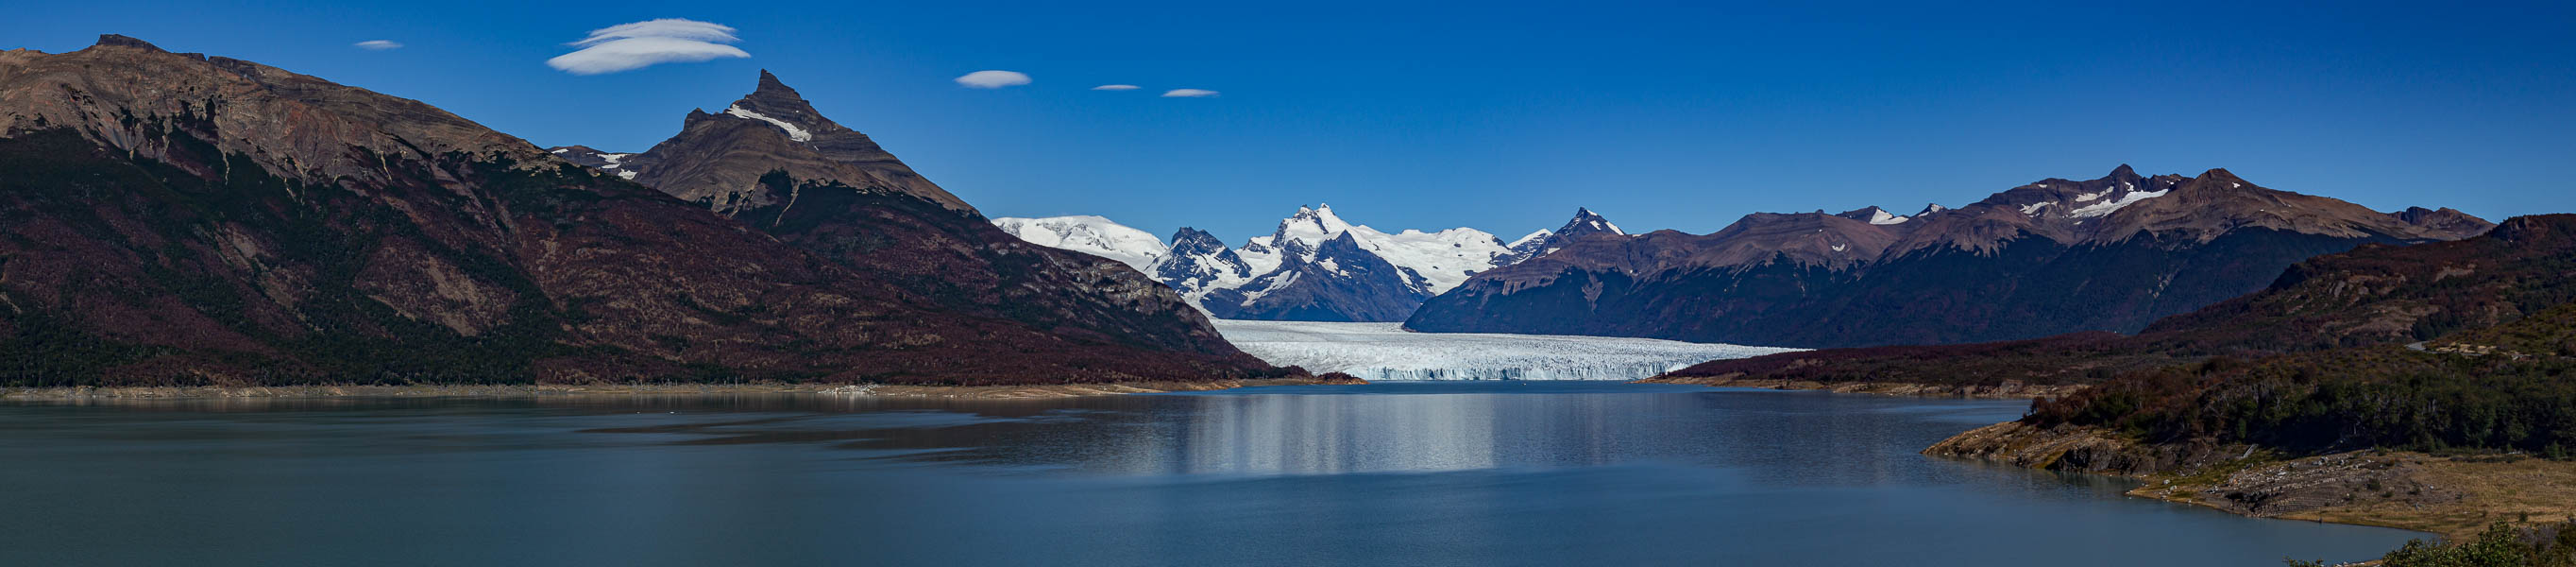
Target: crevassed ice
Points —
{"points": [[793, 132], [1384, 351]]}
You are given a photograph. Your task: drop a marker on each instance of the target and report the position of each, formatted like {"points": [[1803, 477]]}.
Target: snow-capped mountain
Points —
{"points": [[1314, 267], [1319, 267], [2049, 257], [1585, 224], [1089, 235]]}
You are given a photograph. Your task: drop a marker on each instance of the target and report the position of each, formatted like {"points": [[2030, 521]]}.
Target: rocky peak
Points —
{"points": [[719, 158], [2215, 178], [1585, 224], [2529, 230], [1189, 240], [115, 40], [2446, 220]]}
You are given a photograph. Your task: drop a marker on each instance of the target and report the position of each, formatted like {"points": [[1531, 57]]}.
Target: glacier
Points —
{"points": [[1385, 351]]}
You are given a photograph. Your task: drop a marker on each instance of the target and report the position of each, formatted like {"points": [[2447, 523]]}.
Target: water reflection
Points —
{"points": [[1467, 474]]}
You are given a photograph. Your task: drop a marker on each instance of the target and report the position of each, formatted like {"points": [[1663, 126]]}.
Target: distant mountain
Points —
{"points": [[1315, 267], [1089, 235], [178, 219], [720, 158], [2373, 295], [1586, 224], [2051, 257]]}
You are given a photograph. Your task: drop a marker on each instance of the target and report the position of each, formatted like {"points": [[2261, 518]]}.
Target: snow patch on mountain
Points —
{"points": [[2107, 207], [1384, 351], [1097, 236], [1442, 260], [793, 132]]}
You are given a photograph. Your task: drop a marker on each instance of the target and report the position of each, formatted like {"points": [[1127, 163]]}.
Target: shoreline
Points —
{"points": [[1033, 391], [2453, 497], [2007, 391]]}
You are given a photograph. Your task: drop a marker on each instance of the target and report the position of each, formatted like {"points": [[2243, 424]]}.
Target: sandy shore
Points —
{"points": [[2009, 390], [536, 390]]}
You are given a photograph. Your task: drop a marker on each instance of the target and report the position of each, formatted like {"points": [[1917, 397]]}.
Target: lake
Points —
{"points": [[1470, 473]]}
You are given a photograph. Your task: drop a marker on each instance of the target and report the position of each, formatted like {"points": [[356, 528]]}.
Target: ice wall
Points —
{"points": [[1384, 351]]}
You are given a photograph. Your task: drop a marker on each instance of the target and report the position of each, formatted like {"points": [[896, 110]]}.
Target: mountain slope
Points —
{"points": [[830, 190], [2374, 295], [182, 219], [719, 158], [2051, 257]]}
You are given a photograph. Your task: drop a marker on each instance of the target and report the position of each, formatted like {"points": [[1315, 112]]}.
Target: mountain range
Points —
{"points": [[2050, 257], [1314, 267], [174, 218]]}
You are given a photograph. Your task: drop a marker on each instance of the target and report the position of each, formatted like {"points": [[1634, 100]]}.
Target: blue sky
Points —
{"points": [[1506, 116]]}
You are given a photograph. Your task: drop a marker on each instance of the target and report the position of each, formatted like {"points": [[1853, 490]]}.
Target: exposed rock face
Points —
{"points": [[720, 158], [1585, 224], [177, 219], [2052, 257], [1337, 281], [1198, 264]]}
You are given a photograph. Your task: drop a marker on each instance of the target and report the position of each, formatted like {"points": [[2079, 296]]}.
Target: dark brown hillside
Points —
{"points": [[177, 219], [2373, 295]]}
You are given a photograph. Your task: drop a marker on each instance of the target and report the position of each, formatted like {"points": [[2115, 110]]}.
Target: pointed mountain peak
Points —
{"points": [[777, 103], [2123, 173], [1586, 222], [1929, 208], [769, 84]]}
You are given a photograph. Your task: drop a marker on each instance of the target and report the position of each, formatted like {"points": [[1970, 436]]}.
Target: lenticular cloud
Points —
{"points": [[625, 47]]}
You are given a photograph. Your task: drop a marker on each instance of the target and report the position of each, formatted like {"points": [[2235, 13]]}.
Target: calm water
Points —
{"points": [[1390, 474]]}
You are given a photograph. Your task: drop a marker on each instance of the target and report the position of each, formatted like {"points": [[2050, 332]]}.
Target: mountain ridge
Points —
{"points": [[178, 219], [2044, 258]]}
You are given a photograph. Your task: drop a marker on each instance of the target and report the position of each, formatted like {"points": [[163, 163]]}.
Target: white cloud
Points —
{"points": [[377, 45], [1116, 88], [1188, 93], [994, 79], [642, 44]]}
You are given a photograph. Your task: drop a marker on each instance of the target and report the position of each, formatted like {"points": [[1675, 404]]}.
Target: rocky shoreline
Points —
{"points": [[90, 393], [2005, 391], [2455, 496]]}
